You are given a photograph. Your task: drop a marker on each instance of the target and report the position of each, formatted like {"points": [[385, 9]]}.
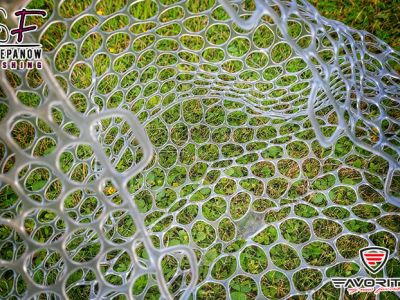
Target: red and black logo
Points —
{"points": [[374, 258]]}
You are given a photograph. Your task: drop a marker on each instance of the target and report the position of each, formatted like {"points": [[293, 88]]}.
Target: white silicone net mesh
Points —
{"points": [[198, 149]]}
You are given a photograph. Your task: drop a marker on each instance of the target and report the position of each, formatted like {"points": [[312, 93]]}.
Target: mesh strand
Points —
{"points": [[221, 140]]}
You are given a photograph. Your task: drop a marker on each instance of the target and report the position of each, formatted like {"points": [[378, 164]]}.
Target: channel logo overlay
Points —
{"points": [[20, 55], [374, 260]]}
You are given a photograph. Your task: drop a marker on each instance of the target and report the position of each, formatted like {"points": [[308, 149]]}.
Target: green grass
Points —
{"points": [[221, 170], [376, 17]]}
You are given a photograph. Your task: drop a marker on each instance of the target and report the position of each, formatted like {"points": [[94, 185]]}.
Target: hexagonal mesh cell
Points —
{"points": [[197, 149]]}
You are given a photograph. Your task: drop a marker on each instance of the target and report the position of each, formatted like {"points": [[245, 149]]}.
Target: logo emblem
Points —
{"points": [[15, 54], [374, 258]]}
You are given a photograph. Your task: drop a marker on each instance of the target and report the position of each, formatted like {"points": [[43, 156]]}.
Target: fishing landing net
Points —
{"points": [[204, 149]]}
